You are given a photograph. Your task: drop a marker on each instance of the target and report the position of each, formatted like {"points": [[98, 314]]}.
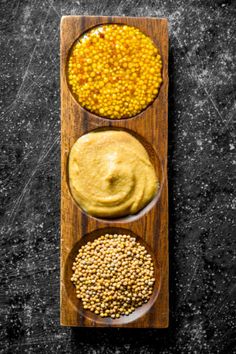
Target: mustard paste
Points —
{"points": [[110, 174]]}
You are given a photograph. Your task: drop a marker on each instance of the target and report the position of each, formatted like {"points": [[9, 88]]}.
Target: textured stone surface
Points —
{"points": [[201, 179]]}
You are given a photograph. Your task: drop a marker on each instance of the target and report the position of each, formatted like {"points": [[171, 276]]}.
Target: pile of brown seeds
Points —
{"points": [[113, 275]]}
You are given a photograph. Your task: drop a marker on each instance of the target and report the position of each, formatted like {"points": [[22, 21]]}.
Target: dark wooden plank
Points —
{"points": [[151, 226]]}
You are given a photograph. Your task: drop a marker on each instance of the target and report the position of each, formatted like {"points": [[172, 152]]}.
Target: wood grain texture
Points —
{"points": [[151, 225]]}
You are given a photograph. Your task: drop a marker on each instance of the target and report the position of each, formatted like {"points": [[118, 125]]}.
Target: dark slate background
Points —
{"points": [[202, 161]]}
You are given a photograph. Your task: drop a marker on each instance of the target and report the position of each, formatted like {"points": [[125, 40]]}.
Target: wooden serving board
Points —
{"points": [[151, 224]]}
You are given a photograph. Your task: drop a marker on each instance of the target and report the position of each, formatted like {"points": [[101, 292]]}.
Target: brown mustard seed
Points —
{"points": [[115, 71], [113, 275]]}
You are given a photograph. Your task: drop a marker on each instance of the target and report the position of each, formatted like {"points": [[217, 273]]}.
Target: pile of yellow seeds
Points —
{"points": [[114, 71], [113, 275]]}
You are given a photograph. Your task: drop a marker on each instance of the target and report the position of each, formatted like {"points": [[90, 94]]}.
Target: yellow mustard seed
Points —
{"points": [[120, 282], [111, 65]]}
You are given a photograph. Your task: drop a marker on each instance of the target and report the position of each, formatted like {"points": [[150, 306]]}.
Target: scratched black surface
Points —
{"points": [[202, 164]]}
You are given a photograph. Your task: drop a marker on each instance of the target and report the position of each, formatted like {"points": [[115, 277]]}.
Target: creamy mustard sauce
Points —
{"points": [[110, 174]]}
